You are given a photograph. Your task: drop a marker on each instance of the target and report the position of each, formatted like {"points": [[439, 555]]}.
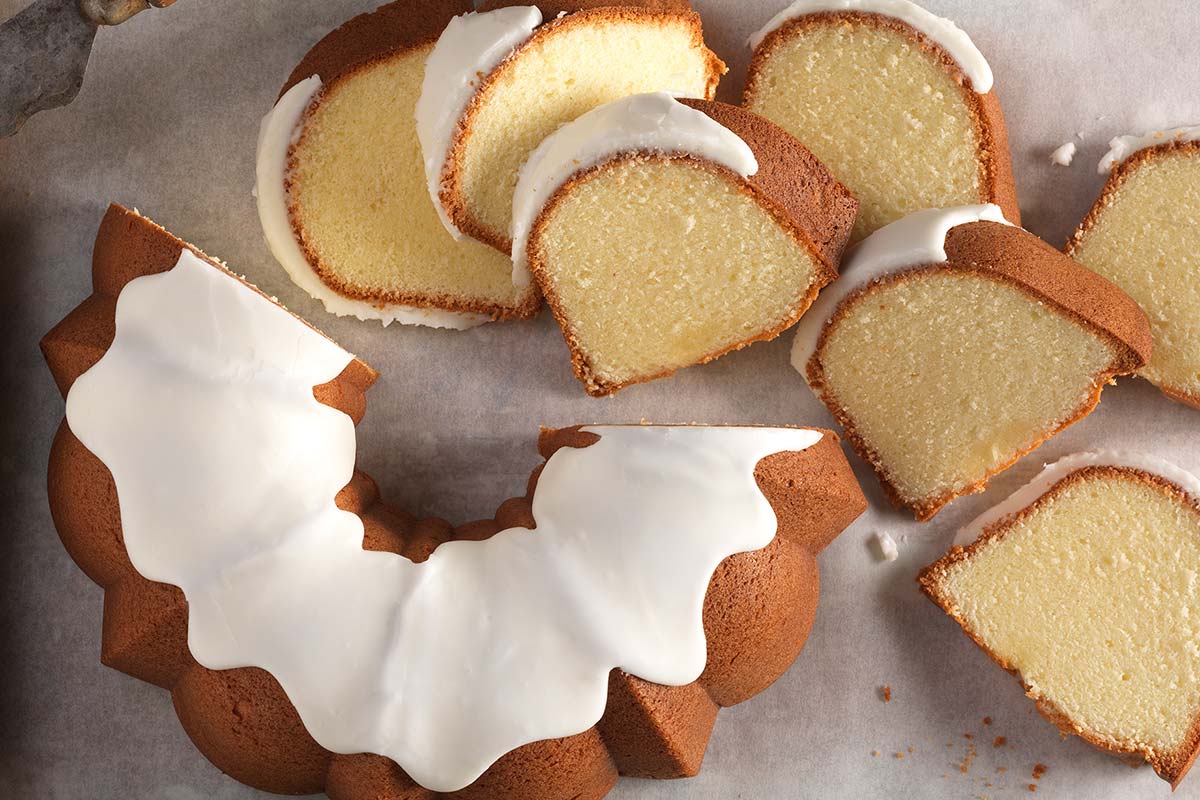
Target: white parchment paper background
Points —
{"points": [[167, 122]]}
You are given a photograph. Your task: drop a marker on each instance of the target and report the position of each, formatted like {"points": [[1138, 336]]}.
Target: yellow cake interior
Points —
{"points": [[559, 78], [948, 376], [1147, 241], [359, 197], [655, 264], [1094, 598], [884, 115]]}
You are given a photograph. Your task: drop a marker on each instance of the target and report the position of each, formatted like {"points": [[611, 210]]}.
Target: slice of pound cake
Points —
{"points": [[341, 183], [501, 80], [1143, 234], [954, 343], [897, 102], [1083, 584], [666, 233]]}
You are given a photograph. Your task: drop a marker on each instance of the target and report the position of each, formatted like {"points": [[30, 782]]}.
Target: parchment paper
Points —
{"points": [[167, 122]]}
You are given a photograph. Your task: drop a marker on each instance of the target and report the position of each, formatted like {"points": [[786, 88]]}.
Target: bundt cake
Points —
{"points": [[954, 343], [314, 638], [1143, 234], [1083, 584], [341, 183], [666, 233], [897, 102], [501, 80]]}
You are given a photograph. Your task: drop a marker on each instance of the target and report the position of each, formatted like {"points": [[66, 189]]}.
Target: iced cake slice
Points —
{"points": [[1143, 234], [954, 343], [1083, 584], [665, 233], [897, 102]]}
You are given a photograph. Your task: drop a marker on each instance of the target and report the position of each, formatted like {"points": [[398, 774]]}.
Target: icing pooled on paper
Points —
{"points": [[281, 128], [470, 48], [226, 468], [912, 241], [1122, 147], [654, 122], [944, 32], [1051, 474]]}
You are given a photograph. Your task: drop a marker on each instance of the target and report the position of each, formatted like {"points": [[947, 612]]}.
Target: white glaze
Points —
{"points": [[1053, 473], [470, 48], [1064, 154], [226, 470], [913, 241], [944, 32], [886, 545], [1122, 147], [280, 129], [654, 122]]}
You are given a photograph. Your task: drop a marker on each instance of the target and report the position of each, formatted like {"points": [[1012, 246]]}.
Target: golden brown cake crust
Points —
{"points": [[580, 13], [243, 722], [792, 185], [390, 29], [1016, 257], [361, 42], [1116, 179], [996, 179], [1171, 767]]}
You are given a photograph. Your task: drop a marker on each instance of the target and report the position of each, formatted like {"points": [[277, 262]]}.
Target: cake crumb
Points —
{"points": [[875, 753], [987, 720], [886, 693], [899, 755], [999, 741], [912, 749], [1038, 771], [886, 546], [1064, 154], [1001, 770], [968, 736], [1033, 787]]}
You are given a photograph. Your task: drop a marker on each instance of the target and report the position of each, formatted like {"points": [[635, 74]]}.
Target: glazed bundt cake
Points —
{"points": [[897, 102], [341, 183], [1083, 584], [502, 80], [314, 638], [1143, 234], [954, 343], [666, 233]]}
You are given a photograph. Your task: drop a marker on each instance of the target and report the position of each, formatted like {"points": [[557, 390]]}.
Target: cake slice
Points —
{"points": [[341, 183], [501, 80], [1143, 234], [1083, 584], [897, 102], [954, 343], [665, 233]]}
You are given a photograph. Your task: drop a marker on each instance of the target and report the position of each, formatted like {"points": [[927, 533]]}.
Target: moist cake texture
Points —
{"points": [[946, 370], [1087, 593], [1143, 234], [599, 53], [887, 109], [655, 261]]}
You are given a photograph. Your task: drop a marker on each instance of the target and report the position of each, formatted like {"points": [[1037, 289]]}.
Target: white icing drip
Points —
{"points": [[280, 130], [913, 241], [886, 545], [654, 122], [1122, 147], [1064, 154], [952, 38], [470, 48], [226, 470], [1053, 473]]}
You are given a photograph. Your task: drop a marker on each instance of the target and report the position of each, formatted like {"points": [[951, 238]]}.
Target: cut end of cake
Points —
{"points": [[945, 374], [1088, 593], [569, 66], [1144, 235], [888, 110]]}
